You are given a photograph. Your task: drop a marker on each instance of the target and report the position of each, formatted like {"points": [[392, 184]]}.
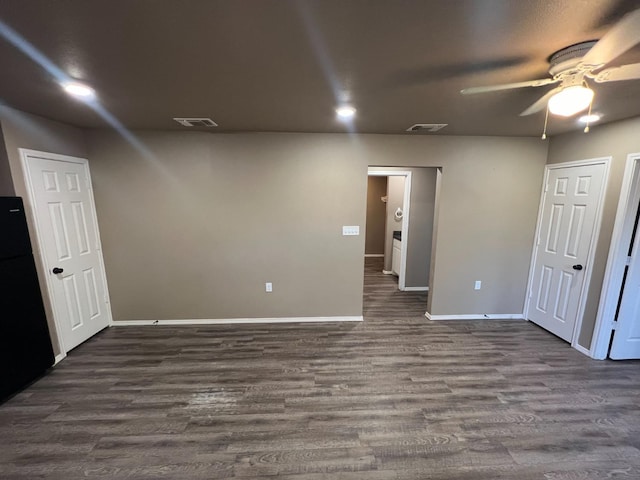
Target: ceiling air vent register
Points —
{"points": [[195, 122], [426, 127]]}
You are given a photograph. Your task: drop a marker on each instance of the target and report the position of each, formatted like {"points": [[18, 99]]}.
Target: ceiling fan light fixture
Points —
{"points": [[570, 100]]}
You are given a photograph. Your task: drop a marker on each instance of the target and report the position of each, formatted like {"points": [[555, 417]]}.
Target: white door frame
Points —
{"points": [[406, 201], [616, 261], [24, 156], [592, 250]]}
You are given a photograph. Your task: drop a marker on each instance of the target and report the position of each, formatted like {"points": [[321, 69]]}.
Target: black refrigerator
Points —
{"points": [[25, 344]]}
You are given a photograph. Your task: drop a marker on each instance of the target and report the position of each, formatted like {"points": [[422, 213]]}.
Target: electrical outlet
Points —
{"points": [[478, 285], [351, 230], [268, 287]]}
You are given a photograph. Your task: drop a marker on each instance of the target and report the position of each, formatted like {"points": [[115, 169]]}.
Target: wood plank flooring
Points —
{"points": [[395, 397]]}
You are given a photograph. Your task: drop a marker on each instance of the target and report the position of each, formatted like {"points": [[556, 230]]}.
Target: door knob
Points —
{"points": [[57, 270], [577, 267]]}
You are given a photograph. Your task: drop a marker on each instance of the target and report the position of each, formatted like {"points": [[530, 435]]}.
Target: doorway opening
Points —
{"points": [[389, 216], [399, 233]]}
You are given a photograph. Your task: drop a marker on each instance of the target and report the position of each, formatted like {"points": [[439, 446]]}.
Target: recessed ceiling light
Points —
{"points": [[589, 118], [79, 90], [345, 112]]}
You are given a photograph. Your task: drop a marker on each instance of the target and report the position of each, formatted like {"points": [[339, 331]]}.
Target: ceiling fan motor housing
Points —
{"points": [[568, 59]]}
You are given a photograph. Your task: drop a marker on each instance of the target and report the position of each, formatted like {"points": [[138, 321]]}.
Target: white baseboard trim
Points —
{"points": [[416, 289], [582, 350], [387, 272], [59, 358], [236, 321], [373, 255], [477, 316]]}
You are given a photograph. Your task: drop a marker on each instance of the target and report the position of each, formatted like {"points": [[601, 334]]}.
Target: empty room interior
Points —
{"points": [[305, 239]]}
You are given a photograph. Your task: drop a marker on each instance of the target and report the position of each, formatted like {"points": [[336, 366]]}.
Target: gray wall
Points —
{"points": [[423, 196], [376, 212], [616, 140], [436, 218], [195, 229], [21, 130]]}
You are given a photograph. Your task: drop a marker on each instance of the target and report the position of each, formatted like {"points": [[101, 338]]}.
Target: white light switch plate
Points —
{"points": [[351, 230]]}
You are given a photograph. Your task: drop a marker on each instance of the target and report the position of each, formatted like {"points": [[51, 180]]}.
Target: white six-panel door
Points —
{"points": [[569, 215], [64, 212], [626, 338]]}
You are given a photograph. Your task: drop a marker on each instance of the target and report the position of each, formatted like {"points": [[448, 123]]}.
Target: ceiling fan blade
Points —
{"points": [[625, 72], [624, 35], [508, 86], [541, 104], [434, 73]]}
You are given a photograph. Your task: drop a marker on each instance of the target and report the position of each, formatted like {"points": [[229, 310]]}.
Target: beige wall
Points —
{"points": [[195, 230], [21, 130], [423, 196], [376, 212], [434, 234], [616, 140]]}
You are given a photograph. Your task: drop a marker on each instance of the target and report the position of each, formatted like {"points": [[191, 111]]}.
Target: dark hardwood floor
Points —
{"points": [[394, 397]]}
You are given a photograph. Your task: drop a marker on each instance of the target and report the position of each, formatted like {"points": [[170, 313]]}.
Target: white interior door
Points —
{"points": [[64, 212], [626, 337], [569, 214]]}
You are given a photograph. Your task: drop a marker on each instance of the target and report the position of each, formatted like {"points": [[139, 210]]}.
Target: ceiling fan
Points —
{"points": [[572, 66]]}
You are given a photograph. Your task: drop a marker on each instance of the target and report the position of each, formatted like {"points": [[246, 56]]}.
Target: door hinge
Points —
{"points": [[546, 187], [614, 325], [627, 261]]}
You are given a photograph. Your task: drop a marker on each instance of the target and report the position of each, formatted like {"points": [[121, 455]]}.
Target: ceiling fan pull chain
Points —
{"points": [[546, 119], [586, 128]]}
